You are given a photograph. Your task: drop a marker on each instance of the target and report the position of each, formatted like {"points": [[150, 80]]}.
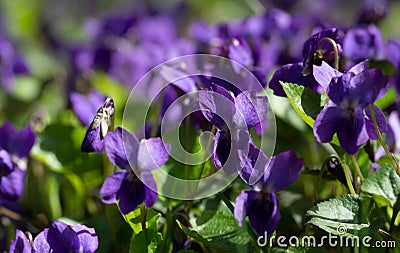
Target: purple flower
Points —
{"points": [[364, 42], [14, 148], [96, 132], [373, 11], [133, 183], [310, 52], [232, 116], [11, 64], [260, 203], [350, 94], [59, 237], [85, 107]]}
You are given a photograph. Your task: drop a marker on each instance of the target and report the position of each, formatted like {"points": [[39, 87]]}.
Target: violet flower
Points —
{"points": [[96, 132], [232, 117], [351, 93], [260, 204], [14, 149], [59, 237], [133, 183]]}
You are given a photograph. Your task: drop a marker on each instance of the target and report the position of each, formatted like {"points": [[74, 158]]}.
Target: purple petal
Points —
{"points": [[222, 146], [380, 120], [242, 204], [62, 238], [86, 107], [12, 185], [255, 166], [323, 74], [252, 108], [111, 186], [178, 78], [16, 142], [20, 244], [40, 243], [119, 142], [87, 238], [339, 88], [360, 67], [291, 73], [131, 194], [152, 154], [351, 132], [264, 214], [327, 122], [92, 141], [239, 51], [6, 165], [283, 170], [149, 187]]}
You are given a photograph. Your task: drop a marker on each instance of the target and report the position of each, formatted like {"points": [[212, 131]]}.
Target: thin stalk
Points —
{"points": [[357, 171], [333, 43], [348, 181], [378, 133]]}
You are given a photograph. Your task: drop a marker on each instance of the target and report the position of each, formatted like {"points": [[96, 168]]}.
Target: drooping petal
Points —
{"points": [[62, 238], [12, 185], [242, 204], [283, 170], [150, 188], [255, 166], [380, 120], [152, 154], [121, 145], [326, 123], [291, 73], [323, 74], [112, 184], [251, 107], [351, 132], [20, 244], [92, 141], [40, 243], [178, 78], [88, 240], [264, 214], [339, 88], [131, 194]]}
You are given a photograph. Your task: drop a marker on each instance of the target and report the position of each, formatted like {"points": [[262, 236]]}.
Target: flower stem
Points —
{"points": [[357, 170], [380, 138], [334, 46], [349, 184]]}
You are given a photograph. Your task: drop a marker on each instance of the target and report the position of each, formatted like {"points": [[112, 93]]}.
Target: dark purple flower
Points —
{"points": [[232, 116], [85, 107], [133, 184], [350, 94], [373, 11], [14, 148], [96, 132], [364, 42], [11, 64], [292, 73], [59, 237], [310, 54], [260, 203]]}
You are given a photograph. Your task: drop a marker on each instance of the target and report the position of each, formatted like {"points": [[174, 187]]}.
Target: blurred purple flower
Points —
{"points": [[96, 132], [14, 149], [133, 184], [85, 107], [350, 94], [373, 11], [364, 42], [59, 237], [260, 203], [11, 64]]}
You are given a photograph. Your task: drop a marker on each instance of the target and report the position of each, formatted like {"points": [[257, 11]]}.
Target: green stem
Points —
{"points": [[357, 171], [349, 184], [378, 133], [334, 46], [209, 141]]}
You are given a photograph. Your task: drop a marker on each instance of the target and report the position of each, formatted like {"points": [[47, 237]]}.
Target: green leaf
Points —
{"points": [[386, 66], [146, 241], [344, 216], [221, 232], [134, 220], [384, 183]]}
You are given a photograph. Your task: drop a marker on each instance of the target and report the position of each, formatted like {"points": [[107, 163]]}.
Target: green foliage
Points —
{"points": [[145, 242], [134, 219]]}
